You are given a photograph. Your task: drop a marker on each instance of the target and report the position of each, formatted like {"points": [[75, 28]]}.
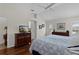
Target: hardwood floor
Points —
{"points": [[15, 51], [2, 46]]}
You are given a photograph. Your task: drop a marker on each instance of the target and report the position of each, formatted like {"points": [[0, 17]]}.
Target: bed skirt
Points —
{"points": [[35, 52]]}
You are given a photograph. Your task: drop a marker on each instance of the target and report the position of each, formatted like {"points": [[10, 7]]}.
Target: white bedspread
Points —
{"points": [[53, 45]]}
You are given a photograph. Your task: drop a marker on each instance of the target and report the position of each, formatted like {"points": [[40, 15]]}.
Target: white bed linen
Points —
{"points": [[54, 45]]}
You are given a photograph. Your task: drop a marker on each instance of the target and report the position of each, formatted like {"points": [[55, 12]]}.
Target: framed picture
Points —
{"points": [[23, 28], [61, 26], [41, 26]]}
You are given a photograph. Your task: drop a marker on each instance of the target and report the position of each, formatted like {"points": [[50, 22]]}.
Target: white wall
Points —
{"points": [[3, 23], [13, 28], [15, 14], [1, 33], [41, 32], [68, 24], [33, 29], [48, 29], [15, 18]]}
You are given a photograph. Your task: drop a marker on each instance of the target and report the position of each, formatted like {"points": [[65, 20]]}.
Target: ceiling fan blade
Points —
{"points": [[49, 5]]}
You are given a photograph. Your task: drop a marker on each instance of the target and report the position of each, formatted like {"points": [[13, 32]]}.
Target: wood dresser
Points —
{"points": [[22, 39]]}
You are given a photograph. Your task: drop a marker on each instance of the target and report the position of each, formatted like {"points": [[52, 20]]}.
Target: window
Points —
{"points": [[75, 28]]}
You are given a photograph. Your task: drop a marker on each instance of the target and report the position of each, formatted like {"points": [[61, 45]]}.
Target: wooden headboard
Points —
{"points": [[61, 33]]}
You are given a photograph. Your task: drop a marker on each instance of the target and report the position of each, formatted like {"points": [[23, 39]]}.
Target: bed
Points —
{"points": [[59, 43]]}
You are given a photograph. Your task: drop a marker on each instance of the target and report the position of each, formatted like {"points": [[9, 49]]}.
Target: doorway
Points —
{"points": [[3, 39], [3, 33], [5, 36]]}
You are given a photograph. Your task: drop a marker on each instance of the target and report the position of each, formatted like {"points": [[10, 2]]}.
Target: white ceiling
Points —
{"points": [[61, 11], [24, 10]]}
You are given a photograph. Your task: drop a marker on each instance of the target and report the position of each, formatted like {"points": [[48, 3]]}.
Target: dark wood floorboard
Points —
{"points": [[15, 51]]}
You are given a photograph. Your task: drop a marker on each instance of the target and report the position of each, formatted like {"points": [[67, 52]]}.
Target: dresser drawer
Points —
{"points": [[22, 39]]}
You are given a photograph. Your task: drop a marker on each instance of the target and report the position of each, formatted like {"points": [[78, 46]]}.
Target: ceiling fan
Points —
{"points": [[35, 14]]}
